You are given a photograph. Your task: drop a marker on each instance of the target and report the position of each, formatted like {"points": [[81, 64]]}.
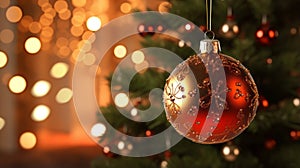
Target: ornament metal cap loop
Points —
{"points": [[210, 45]]}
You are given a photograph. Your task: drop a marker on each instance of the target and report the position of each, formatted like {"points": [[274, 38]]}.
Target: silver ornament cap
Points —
{"points": [[210, 46]]}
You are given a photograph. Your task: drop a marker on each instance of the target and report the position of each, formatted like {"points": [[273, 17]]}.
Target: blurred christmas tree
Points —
{"points": [[264, 35]]}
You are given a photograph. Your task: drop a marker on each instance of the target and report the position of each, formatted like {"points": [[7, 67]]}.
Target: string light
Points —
{"points": [[27, 140], [121, 145], [98, 130], [14, 14], [164, 6], [40, 88], [2, 123], [137, 57], [59, 70], [106, 149], [164, 164], [121, 100], [93, 23], [35, 27], [148, 133], [296, 102], [3, 59], [120, 51], [79, 3], [134, 112], [60, 6], [181, 43], [7, 36], [17, 84], [64, 95], [4, 3], [230, 151], [33, 45], [125, 7], [40, 113]]}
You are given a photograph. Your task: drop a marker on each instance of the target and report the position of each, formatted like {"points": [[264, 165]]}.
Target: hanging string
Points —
{"points": [[208, 14], [209, 32]]}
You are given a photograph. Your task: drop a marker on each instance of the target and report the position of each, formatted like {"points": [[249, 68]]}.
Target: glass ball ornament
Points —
{"points": [[265, 34], [229, 29], [230, 152], [205, 108]]}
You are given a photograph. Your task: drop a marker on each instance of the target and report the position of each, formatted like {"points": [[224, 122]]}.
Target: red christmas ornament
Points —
{"points": [[230, 28], [265, 34], [192, 105]]}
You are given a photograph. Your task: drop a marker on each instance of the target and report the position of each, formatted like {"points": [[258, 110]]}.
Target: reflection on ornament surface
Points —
{"points": [[188, 93]]}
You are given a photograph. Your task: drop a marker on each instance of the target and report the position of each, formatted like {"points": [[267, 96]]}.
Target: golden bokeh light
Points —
{"points": [[61, 6], [27, 140], [89, 59], [42, 2], [59, 70], [137, 57], [61, 41], [4, 3], [121, 145], [40, 113], [226, 150], [121, 100], [181, 43], [3, 59], [120, 51], [2, 123], [98, 130], [85, 45], [79, 3], [64, 95], [40, 88], [46, 20], [134, 112], [17, 84], [64, 51], [125, 7], [90, 36], [14, 14], [106, 149], [47, 32], [93, 23], [65, 15], [26, 21], [33, 45], [35, 27], [164, 6], [7, 36], [296, 102], [73, 44], [77, 31]]}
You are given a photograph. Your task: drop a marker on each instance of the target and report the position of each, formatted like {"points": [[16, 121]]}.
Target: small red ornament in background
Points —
{"points": [[148, 133], [229, 29], [265, 34], [149, 30], [167, 154], [295, 135], [270, 144], [264, 102], [191, 104]]}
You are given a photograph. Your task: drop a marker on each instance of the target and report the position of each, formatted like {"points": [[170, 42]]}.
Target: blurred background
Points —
{"points": [[40, 42]]}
